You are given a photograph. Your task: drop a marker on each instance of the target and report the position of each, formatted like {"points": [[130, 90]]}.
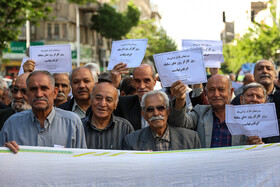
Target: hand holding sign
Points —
{"points": [[117, 72]]}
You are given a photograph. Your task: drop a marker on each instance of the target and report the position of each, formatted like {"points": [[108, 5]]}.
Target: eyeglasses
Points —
{"points": [[16, 89], [159, 108]]}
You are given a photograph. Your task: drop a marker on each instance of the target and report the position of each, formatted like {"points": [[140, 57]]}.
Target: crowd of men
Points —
{"points": [[89, 109]]}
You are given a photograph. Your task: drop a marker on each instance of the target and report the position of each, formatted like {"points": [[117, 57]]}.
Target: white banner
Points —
{"points": [[232, 166]]}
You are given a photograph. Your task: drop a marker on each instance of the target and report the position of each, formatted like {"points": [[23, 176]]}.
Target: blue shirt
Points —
{"points": [[62, 128], [221, 136]]}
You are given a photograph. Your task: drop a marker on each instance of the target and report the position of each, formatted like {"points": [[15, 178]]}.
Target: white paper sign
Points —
{"points": [[130, 52], [185, 65], [252, 120], [212, 51], [21, 71], [52, 58]]}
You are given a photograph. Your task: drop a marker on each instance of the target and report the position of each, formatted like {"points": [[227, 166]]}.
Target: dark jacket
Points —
{"points": [[180, 139]]}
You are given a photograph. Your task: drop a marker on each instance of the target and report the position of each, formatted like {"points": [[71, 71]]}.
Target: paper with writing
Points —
{"points": [[185, 65], [252, 120], [212, 51], [130, 52], [21, 71], [52, 58]]}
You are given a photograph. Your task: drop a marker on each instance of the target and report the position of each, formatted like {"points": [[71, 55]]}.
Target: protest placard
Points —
{"points": [[212, 51], [130, 52], [252, 120], [185, 65], [52, 58]]}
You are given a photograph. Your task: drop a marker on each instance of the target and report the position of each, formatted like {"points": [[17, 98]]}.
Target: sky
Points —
{"points": [[197, 19]]}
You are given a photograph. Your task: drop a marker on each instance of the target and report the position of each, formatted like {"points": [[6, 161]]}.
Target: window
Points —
{"points": [[56, 31], [64, 30], [49, 31]]}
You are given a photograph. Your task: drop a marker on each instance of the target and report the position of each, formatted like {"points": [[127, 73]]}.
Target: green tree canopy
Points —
{"points": [[13, 16], [112, 24], [158, 40], [260, 42]]}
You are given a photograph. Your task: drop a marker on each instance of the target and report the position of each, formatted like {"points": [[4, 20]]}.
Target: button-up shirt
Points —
{"points": [[162, 143], [77, 109], [108, 138], [221, 136], [61, 128]]}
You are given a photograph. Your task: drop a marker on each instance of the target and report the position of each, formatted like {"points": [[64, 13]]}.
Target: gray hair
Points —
{"points": [[152, 68], [93, 66], [253, 85], [259, 61], [152, 93], [93, 74], [48, 74]]}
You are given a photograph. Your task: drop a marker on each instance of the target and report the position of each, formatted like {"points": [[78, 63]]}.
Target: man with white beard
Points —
{"points": [[20, 99]]}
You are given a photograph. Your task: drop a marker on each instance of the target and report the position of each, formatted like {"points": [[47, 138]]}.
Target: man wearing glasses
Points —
{"points": [[159, 136], [20, 99]]}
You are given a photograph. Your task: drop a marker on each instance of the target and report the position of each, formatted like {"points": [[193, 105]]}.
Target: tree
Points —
{"points": [[13, 16], [260, 42], [112, 24], [158, 40]]}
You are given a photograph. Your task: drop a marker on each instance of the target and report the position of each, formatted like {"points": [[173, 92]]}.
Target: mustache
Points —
{"points": [[159, 117], [40, 99], [82, 90], [61, 94], [19, 100], [264, 75]]}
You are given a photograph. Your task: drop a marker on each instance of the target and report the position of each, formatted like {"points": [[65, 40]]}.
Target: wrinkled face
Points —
{"points": [[19, 93], [218, 92], [63, 85], [103, 101], [40, 93], [253, 96], [265, 73], [82, 84], [144, 81], [157, 118]]}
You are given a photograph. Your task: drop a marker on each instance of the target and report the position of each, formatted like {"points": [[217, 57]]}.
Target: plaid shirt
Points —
{"points": [[162, 143], [221, 136]]}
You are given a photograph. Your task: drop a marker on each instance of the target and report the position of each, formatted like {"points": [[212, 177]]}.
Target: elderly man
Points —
{"points": [[265, 74], [44, 125], [144, 81], [209, 120], [159, 136], [82, 81], [63, 85], [19, 99], [255, 93], [248, 78], [103, 130]]}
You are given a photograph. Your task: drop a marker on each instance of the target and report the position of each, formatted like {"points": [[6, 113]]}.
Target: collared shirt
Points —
{"points": [[221, 136], [61, 128], [77, 109], [108, 138], [162, 143], [271, 96]]}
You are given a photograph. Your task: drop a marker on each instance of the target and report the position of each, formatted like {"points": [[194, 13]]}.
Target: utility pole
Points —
{"points": [[78, 34]]}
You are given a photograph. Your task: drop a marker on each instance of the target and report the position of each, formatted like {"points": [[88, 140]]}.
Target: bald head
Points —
{"points": [[22, 79], [248, 78]]}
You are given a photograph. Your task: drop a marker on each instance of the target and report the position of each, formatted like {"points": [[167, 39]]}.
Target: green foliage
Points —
{"points": [[13, 16], [260, 42], [112, 24], [81, 2], [158, 41]]}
